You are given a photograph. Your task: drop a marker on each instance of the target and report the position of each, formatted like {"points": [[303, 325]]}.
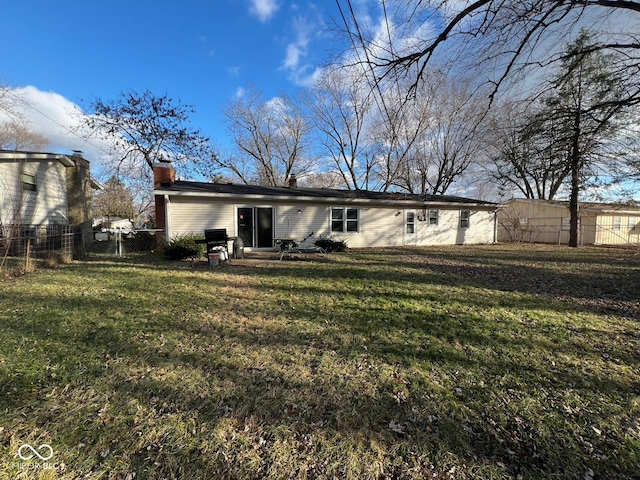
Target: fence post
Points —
{"points": [[27, 263]]}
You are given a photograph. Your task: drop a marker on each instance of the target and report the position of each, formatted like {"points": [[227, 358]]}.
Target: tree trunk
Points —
{"points": [[573, 207], [575, 185]]}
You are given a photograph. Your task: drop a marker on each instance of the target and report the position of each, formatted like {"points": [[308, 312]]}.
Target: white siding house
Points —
{"points": [[45, 189], [34, 190], [261, 215]]}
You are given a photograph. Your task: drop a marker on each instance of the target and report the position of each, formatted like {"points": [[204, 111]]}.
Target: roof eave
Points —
{"points": [[37, 157], [328, 200]]}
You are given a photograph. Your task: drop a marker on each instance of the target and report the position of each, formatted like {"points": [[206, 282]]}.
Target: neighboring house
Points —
{"points": [[260, 215], [547, 221], [45, 189]]}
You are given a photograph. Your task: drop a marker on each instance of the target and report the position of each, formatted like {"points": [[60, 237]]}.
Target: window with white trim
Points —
{"points": [[28, 182], [633, 223], [465, 218], [434, 216], [345, 219], [617, 223], [566, 223], [411, 222]]}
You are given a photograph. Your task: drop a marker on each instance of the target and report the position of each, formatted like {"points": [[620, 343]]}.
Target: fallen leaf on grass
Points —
{"points": [[396, 427]]}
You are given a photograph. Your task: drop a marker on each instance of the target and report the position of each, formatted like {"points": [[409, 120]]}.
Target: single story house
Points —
{"points": [[45, 189], [261, 215], [548, 221]]}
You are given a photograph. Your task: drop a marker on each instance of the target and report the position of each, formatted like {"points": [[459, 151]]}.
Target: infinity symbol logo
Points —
{"points": [[29, 456]]}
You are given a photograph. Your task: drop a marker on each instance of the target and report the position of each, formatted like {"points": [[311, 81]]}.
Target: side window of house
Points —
{"points": [[345, 219], [353, 220], [337, 220], [28, 182], [617, 223], [465, 216], [411, 222], [566, 223], [433, 217], [633, 223]]}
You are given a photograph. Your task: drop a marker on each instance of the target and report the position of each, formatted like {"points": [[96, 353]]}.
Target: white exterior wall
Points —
{"points": [[290, 223], [380, 226], [47, 205], [194, 215]]}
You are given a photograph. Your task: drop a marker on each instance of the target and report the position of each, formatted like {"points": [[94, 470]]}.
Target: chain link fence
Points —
{"points": [[23, 247], [121, 242]]}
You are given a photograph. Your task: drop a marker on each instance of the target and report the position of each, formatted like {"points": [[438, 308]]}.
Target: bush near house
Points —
{"points": [[331, 244], [183, 247]]}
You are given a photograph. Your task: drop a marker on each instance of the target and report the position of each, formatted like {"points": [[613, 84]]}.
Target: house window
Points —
{"points": [[633, 223], [617, 223], [28, 182], [411, 222], [523, 223], [465, 216], [566, 224], [345, 219], [433, 217]]}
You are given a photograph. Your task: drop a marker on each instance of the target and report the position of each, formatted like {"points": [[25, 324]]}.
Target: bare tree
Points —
{"points": [[17, 134], [502, 39], [145, 128], [114, 200], [396, 137], [271, 139], [342, 112], [526, 151], [440, 132]]}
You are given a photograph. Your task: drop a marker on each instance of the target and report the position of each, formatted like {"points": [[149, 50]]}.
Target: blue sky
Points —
{"points": [[200, 52]]}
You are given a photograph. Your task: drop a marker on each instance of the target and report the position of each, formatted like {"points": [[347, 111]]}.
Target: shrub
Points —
{"points": [[331, 244], [55, 258], [184, 246]]}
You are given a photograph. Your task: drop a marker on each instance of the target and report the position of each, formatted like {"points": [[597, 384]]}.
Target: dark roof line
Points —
{"points": [[233, 189]]}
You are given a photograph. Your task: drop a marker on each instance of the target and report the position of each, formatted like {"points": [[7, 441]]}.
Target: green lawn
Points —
{"points": [[462, 362]]}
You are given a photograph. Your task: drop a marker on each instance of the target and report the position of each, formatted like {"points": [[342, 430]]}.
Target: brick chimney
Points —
{"points": [[163, 174], [293, 181], [79, 193]]}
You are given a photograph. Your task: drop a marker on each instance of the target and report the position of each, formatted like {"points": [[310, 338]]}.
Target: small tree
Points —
{"points": [[114, 200]]}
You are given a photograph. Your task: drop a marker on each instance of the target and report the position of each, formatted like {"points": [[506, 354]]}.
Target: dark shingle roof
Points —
{"points": [[317, 193]]}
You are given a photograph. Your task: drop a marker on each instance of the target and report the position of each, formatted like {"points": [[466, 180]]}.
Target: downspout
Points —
{"points": [[495, 227], [167, 218]]}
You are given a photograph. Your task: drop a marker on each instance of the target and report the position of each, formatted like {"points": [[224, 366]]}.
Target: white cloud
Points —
{"points": [[240, 92], [301, 72], [264, 9], [58, 119]]}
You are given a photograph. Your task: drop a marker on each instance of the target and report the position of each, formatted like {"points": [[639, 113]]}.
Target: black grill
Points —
{"points": [[216, 238]]}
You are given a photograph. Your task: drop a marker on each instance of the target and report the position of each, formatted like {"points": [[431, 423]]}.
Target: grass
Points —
{"points": [[470, 362]]}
